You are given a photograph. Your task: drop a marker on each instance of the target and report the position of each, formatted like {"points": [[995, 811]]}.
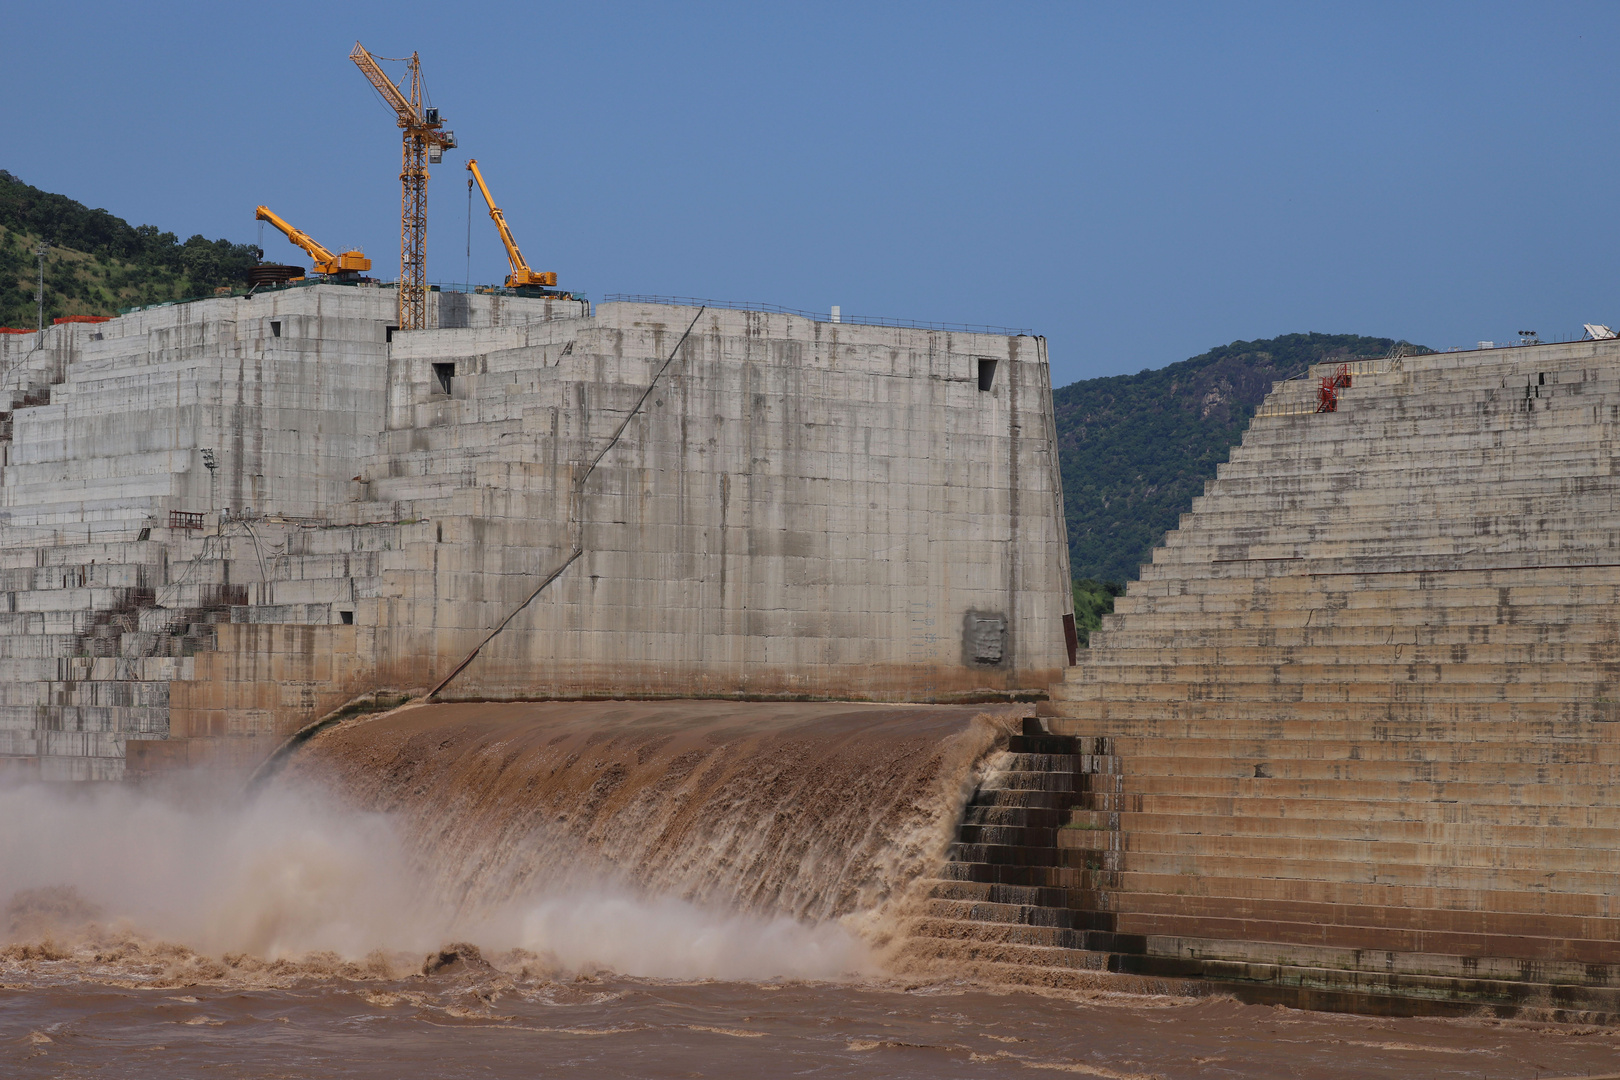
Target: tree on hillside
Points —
{"points": [[137, 263]]}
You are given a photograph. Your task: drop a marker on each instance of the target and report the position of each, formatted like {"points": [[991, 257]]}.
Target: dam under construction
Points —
{"points": [[224, 520], [746, 611]]}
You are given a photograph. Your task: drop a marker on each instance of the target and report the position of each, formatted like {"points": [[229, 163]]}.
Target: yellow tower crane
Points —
{"points": [[325, 261], [521, 276], [425, 141]]}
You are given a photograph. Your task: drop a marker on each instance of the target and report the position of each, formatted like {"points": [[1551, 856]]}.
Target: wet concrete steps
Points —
{"points": [[1025, 896], [1025, 869]]}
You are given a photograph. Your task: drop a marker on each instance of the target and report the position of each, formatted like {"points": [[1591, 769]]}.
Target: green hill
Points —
{"points": [[99, 263], [1136, 449]]}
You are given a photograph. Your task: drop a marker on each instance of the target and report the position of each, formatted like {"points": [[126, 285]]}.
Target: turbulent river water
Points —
{"points": [[671, 889]]}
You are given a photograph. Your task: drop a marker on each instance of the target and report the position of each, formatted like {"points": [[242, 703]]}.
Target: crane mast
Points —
{"points": [[424, 141], [521, 276]]}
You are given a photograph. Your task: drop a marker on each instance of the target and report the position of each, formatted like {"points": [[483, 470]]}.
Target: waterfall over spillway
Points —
{"points": [[812, 810]]}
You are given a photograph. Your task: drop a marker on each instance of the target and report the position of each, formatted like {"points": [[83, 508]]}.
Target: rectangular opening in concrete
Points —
{"points": [[347, 617], [443, 374], [987, 374], [275, 329], [388, 333]]}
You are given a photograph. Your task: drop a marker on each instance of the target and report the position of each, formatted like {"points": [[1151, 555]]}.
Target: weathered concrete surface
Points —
{"points": [[1352, 735], [791, 508]]}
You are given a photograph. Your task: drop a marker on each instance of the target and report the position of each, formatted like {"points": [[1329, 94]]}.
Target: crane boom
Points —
{"points": [[521, 275], [424, 141], [369, 68], [325, 261]]}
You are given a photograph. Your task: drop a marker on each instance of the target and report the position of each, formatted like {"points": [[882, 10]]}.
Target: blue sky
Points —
{"points": [[1137, 182]]}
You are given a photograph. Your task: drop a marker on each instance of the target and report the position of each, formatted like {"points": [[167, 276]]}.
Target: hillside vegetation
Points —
{"points": [[1136, 449], [99, 263]]}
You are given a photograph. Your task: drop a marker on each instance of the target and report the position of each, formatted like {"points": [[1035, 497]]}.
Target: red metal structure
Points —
{"points": [[1327, 395]]}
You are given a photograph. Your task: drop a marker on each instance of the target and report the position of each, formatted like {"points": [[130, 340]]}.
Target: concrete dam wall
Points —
{"points": [[1351, 740], [651, 500]]}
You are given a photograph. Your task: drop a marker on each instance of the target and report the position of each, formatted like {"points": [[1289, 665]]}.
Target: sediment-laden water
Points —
{"points": [[612, 889], [816, 812]]}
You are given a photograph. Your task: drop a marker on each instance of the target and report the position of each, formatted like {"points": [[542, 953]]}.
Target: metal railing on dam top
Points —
{"points": [[818, 316]]}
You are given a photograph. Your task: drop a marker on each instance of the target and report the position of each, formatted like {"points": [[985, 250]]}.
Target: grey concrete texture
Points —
{"points": [[778, 507], [1363, 699]]}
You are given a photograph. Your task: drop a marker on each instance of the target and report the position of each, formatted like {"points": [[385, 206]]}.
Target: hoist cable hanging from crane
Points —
{"points": [[424, 140]]}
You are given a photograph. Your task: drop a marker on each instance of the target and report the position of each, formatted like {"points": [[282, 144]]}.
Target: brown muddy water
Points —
{"points": [[677, 889]]}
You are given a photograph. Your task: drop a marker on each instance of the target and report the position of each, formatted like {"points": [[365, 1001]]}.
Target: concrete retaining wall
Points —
{"points": [[793, 508]]}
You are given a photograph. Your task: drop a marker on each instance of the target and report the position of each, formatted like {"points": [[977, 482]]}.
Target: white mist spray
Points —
{"points": [[288, 873]]}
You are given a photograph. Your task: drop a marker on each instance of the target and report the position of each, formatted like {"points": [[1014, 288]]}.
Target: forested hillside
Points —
{"points": [[1136, 449], [99, 263]]}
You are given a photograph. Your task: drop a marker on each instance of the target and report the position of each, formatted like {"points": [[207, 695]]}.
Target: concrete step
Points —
{"points": [[1329, 814], [1403, 927], [1338, 649], [1081, 905], [1349, 793], [1334, 865], [1513, 642], [1374, 727], [968, 928], [1497, 958], [1286, 770], [1371, 745], [1433, 709], [1388, 851]]}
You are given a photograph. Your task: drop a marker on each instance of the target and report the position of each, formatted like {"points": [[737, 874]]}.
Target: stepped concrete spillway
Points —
{"points": [[1352, 739], [646, 500]]}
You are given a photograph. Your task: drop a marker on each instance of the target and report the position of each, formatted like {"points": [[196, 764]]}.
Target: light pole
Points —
{"points": [[39, 293]]}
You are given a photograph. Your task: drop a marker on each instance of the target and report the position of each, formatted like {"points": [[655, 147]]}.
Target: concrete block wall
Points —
{"points": [[794, 508], [104, 438], [797, 508], [1361, 707]]}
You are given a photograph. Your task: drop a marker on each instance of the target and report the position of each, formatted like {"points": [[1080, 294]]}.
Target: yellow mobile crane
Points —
{"points": [[325, 262], [521, 276]]}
